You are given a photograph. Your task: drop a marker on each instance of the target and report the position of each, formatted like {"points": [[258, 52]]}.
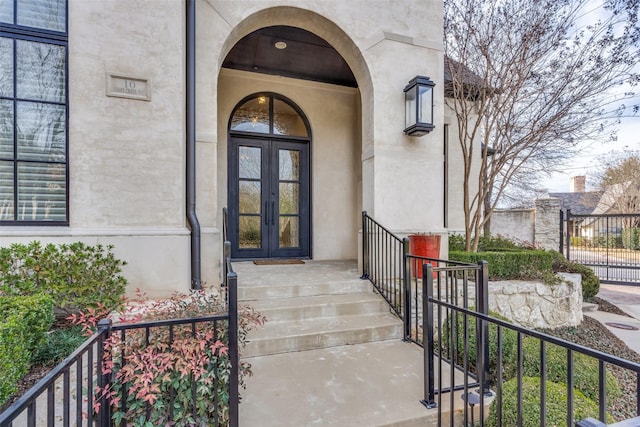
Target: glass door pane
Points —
{"points": [[250, 197]]}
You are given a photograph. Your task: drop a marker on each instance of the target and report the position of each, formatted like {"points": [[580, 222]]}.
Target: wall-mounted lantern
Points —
{"points": [[418, 101]]}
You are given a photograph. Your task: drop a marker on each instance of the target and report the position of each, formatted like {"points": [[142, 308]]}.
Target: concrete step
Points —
{"points": [[295, 336], [320, 306], [292, 289]]}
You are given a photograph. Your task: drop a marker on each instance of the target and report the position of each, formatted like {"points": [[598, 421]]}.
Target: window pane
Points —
{"points": [[6, 191], [40, 71], [42, 192], [289, 232], [252, 116], [46, 14], [249, 197], [249, 162], [250, 232], [6, 66], [289, 165], [286, 120], [6, 11], [41, 131], [6, 129], [289, 198]]}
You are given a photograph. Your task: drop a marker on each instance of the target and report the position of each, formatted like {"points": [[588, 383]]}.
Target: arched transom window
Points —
{"points": [[269, 114]]}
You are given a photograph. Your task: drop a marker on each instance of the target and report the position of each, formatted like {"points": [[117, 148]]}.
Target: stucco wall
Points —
{"points": [[516, 224], [127, 157]]}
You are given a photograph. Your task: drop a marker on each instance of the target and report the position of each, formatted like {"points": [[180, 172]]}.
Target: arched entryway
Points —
{"points": [[269, 189]]}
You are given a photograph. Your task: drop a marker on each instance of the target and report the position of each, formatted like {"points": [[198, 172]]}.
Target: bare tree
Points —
{"points": [[620, 184], [528, 82]]}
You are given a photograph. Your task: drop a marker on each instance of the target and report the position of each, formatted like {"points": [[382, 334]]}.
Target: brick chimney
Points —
{"points": [[577, 184]]}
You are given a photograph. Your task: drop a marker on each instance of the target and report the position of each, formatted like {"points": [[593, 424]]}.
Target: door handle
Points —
{"points": [[266, 213], [273, 215]]}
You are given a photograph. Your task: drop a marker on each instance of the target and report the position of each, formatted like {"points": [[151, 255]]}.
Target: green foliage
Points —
{"points": [[14, 354], [57, 345], [615, 242], [590, 282], [456, 242], [631, 238], [509, 343], [148, 371], [585, 368], [36, 312], [75, 275], [556, 405], [508, 264]]}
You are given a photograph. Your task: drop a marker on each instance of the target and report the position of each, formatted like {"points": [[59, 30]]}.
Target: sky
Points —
{"points": [[588, 162]]}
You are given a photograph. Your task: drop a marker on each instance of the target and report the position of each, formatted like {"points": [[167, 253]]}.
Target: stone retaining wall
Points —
{"points": [[538, 305]]}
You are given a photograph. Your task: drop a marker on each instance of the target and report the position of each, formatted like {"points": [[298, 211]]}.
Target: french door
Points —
{"points": [[269, 198]]}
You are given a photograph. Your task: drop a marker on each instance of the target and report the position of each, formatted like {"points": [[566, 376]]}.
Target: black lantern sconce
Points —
{"points": [[418, 102]]}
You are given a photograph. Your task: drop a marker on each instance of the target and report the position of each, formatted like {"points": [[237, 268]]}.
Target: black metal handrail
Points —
{"points": [[383, 262], [443, 347], [84, 359]]}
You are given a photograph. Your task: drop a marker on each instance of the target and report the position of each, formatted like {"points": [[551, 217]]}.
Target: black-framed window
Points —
{"points": [[34, 178]]}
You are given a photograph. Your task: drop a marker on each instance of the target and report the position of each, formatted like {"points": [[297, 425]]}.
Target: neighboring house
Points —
{"points": [[297, 127]]}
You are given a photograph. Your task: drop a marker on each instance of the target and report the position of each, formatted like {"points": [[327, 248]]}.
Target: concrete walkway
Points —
{"points": [[626, 298]]}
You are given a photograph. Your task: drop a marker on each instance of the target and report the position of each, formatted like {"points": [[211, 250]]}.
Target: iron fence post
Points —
{"points": [[568, 234], [232, 281], [483, 328], [365, 247], [225, 269], [104, 379], [427, 337], [561, 231], [406, 275]]}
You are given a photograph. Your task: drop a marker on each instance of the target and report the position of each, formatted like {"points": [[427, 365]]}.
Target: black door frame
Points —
{"points": [[270, 144]]}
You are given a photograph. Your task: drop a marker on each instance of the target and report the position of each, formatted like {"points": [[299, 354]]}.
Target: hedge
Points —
{"points": [[631, 238], [508, 264], [509, 344], [77, 276], [36, 312], [14, 355], [585, 369], [556, 405]]}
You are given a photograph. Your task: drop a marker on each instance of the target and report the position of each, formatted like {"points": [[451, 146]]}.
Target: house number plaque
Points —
{"points": [[132, 87]]}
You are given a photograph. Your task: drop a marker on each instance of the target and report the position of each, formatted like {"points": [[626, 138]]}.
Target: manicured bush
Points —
{"points": [[585, 369], [631, 238], [555, 405], [36, 312], [508, 264], [590, 282], [509, 343], [14, 354], [74, 275]]}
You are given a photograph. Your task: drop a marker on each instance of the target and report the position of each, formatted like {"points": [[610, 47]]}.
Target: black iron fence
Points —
{"points": [[73, 392], [482, 370], [383, 263], [609, 244]]}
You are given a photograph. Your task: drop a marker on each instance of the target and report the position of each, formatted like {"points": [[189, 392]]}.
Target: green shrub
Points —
{"points": [[456, 242], [590, 282], [14, 354], [556, 404], [509, 344], [57, 345], [585, 368], [75, 275], [507, 264], [36, 312], [631, 238]]}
